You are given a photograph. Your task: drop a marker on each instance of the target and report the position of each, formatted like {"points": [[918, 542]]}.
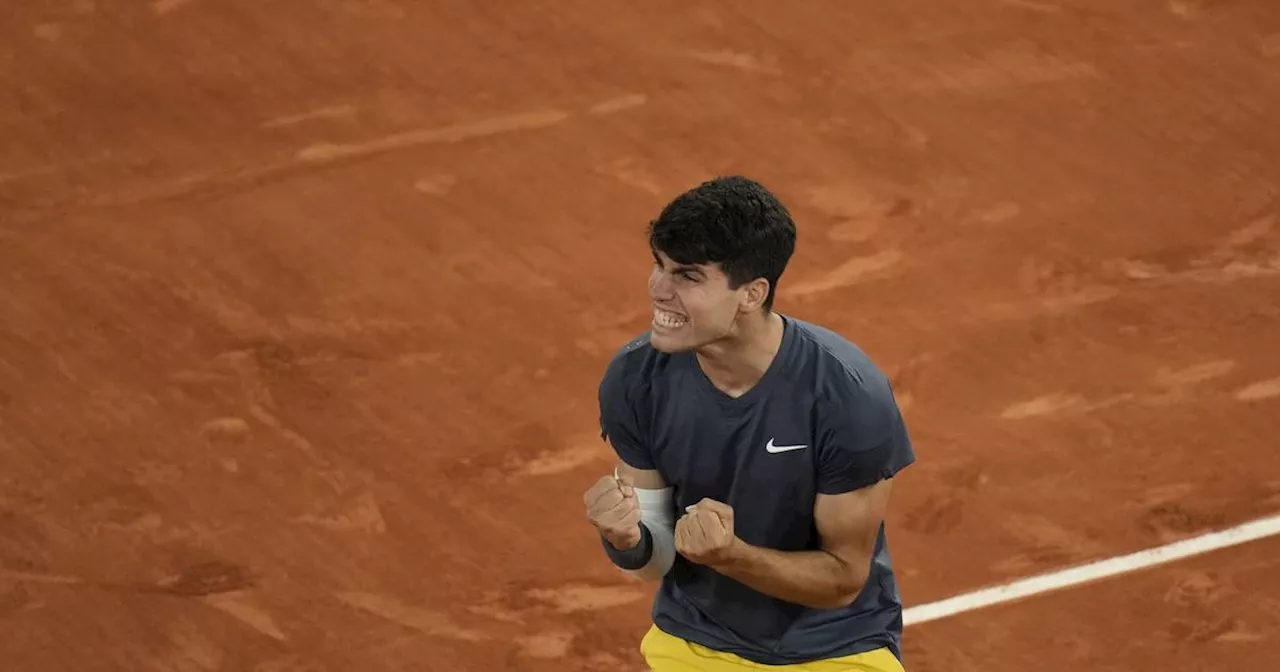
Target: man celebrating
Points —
{"points": [[774, 440]]}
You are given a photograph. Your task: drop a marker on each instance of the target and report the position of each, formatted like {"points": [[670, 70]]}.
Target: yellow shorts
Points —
{"points": [[667, 653]]}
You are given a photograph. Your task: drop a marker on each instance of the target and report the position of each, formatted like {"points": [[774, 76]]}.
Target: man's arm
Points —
{"points": [[652, 555], [633, 508], [829, 578], [862, 444], [644, 479]]}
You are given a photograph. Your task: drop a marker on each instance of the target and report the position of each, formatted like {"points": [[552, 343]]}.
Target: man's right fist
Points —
{"points": [[613, 509]]}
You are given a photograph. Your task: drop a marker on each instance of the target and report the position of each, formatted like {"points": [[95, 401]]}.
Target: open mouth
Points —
{"points": [[668, 320]]}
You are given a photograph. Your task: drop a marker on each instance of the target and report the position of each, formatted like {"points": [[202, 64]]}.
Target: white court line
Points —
{"points": [[1252, 531]]}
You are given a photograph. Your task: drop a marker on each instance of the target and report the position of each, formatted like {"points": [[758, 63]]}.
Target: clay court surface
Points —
{"points": [[303, 308]]}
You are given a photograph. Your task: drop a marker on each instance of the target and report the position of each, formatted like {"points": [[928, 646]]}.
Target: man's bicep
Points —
{"points": [[842, 470], [647, 479], [863, 441], [849, 522]]}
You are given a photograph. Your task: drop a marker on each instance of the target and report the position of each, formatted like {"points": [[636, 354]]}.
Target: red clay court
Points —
{"points": [[303, 307]]}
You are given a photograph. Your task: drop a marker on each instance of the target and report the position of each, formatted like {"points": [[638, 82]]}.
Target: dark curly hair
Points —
{"points": [[732, 221]]}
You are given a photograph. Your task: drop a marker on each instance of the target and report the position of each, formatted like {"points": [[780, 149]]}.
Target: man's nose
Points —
{"points": [[660, 286]]}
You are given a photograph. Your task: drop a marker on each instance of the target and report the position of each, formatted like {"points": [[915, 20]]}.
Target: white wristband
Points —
{"points": [[657, 513]]}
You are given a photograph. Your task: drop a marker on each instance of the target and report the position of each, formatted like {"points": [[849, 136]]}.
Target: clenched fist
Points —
{"points": [[613, 509], [704, 534]]}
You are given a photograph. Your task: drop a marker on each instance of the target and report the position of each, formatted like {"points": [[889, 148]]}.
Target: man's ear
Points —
{"points": [[755, 294]]}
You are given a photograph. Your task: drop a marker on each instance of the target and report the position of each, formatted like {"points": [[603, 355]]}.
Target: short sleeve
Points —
{"points": [[862, 440], [619, 421]]}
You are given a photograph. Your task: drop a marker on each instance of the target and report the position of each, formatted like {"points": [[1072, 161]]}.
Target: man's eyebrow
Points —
{"points": [[680, 268]]}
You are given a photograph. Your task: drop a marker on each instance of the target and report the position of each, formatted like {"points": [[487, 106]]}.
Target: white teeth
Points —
{"points": [[668, 319]]}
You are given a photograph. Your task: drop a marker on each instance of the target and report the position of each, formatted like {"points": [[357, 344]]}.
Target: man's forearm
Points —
{"points": [[815, 579], [652, 557]]}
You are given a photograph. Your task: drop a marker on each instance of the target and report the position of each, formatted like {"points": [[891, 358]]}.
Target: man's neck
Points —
{"points": [[735, 364]]}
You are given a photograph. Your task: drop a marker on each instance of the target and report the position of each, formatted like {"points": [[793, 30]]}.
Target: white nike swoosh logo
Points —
{"points": [[782, 449]]}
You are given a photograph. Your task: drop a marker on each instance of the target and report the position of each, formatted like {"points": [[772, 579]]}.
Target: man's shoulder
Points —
{"points": [[857, 407], [638, 347], [836, 363], [634, 364], [632, 356]]}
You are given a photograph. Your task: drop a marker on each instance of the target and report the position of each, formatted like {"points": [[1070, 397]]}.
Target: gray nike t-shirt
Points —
{"points": [[822, 419]]}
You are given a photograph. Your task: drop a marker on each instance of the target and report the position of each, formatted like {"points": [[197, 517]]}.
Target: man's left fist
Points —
{"points": [[704, 534]]}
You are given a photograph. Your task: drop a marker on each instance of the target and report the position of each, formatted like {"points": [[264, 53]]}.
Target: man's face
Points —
{"points": [[692, 304]]}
